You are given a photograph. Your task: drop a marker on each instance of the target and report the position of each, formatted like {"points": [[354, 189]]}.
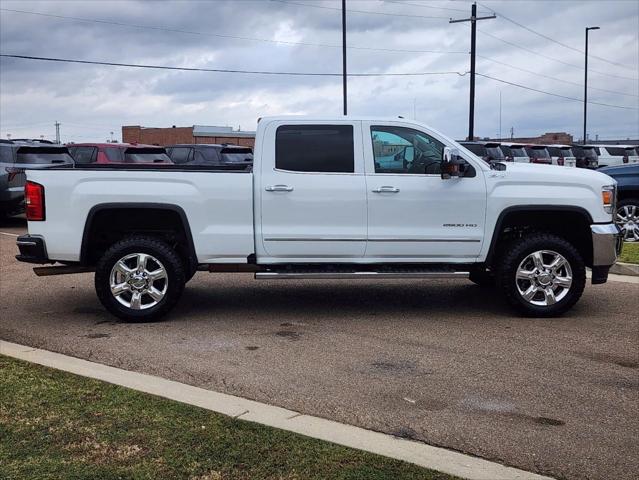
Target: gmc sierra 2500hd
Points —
{"points": [[338, 198]]}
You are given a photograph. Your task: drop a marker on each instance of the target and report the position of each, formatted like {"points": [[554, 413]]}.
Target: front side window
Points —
{"points": [[405, 150], [315, 148]]}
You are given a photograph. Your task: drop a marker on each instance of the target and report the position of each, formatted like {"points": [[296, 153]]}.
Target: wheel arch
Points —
{"points": [[99, 210], [551, 218]]}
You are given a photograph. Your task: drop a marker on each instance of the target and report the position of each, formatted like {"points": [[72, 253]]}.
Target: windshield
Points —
{"points": [[43, 155], [494, 152], [476, 148], [146, 155], [537, 152], [237, 155]]}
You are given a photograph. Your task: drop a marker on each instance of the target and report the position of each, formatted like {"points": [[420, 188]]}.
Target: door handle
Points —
{"points": [[279, 188], [386, 189]]}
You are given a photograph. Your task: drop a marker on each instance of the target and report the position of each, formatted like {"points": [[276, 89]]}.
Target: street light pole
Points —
{"points": [[344, 54], [586, 81]]}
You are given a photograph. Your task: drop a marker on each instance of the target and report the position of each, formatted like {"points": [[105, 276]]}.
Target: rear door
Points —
{"points": [[313, 191]]}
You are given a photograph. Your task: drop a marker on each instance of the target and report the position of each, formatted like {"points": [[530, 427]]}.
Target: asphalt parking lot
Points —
{"points": [[441, 361]]}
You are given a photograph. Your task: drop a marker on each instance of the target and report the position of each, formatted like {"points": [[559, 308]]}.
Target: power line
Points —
{"points": [[425, 6], [580, 100], [358, 11], [220, 35], [553, 78], [220, 70], [551, 58], [570, 47]]}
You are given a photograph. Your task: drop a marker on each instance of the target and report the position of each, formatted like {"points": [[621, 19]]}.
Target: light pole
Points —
{"points": [[586, 81]]}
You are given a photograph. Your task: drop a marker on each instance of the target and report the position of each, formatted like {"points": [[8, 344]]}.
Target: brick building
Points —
{"points": [[549, 138], [194, 134]]}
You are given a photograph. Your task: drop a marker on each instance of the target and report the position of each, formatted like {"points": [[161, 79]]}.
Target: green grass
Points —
{"points": [[55, 425], [630, 253]]}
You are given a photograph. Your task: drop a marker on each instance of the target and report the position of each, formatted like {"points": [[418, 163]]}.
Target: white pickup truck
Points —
{"points": [[337, 198]]}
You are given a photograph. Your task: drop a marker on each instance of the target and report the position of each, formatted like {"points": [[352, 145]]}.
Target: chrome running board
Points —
{"points": [[357, 275]]}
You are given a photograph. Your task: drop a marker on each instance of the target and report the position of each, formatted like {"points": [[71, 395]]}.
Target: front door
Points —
{"points": [[413, 214], [313, 192]]}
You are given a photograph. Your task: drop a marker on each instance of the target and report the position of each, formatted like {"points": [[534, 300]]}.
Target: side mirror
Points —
{"points": [[451, 163]]}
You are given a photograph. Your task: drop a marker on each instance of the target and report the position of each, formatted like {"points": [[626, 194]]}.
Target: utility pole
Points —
{"points": [[57, 132], [586, 80], [473, 36], [512, 132], [499, 114], [344, 53]]}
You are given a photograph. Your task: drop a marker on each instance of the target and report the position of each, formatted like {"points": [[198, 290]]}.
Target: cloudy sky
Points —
{"points": [[536, 44]]}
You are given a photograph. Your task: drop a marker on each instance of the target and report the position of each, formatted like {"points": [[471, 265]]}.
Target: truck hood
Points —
{"points": [[554, 175]]}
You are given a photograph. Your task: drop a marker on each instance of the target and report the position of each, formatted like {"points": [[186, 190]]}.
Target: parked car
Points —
{"points": [[586, 157], [318, 204], [538, 154], [515, 151], [562, 155], [488, 151], [627, 210], [611, 155], [15, 156], [101, 153], [210, 154]]}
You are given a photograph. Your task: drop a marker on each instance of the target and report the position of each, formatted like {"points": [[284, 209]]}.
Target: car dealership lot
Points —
{"points": [[442, 361]]}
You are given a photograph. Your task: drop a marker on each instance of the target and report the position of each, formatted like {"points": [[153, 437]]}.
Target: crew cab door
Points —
{"points": [[413, 214], [313, 192]]}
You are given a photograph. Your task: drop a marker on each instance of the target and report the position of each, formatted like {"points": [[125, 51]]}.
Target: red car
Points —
{"points": [[85, 153]]}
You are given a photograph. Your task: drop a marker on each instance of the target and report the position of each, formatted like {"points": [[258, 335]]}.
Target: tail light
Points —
{"points": [[560, 161], [34, 200], [625, 159]]}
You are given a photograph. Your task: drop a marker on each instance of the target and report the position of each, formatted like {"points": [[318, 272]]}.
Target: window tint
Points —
{"points": [[83, 155], [537, 152], [237, 155], [180, 155], [315, 148], [404, 150], [494, 152], [518, 151], [566, 152], [618, 151], [555, 152], [113, 154]]}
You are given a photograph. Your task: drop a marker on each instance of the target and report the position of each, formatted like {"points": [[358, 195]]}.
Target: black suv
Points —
{"points": [[15, 157], [208, 154], [488, 151]]}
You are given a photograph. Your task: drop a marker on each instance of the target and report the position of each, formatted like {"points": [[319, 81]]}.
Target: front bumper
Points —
{"points": [[606, 246], [32, 250]]}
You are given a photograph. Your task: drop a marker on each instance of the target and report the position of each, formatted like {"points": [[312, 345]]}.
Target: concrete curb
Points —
{"points": [[621, 268], [441, 459]]}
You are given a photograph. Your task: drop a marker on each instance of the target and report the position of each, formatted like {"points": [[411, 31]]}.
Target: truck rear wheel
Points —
{"points": [[139, 279], [542, 275]]}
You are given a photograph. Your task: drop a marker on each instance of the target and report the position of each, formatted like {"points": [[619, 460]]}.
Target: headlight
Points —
{"points": [[609, 197]]}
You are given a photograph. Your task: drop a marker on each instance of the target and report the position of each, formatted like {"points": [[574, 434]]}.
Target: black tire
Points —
{"points": [[627, 233], [172, 266], [517, 252], [482, 277]]}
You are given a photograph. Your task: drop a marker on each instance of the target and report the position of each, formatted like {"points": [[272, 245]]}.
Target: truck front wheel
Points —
{"points": [[139, 279], [542, 275]]}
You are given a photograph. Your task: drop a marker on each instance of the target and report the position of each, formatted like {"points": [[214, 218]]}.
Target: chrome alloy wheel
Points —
{"points": [[544, 278], [628, 220], [138, 281]]}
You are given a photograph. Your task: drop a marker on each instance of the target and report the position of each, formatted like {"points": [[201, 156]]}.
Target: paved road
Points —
{"points": [[440, 361]]}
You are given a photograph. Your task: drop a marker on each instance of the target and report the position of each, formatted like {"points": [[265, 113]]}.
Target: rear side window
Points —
{"points": [[180, 155], [315, 148], [43, 155], [83, 155]]}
